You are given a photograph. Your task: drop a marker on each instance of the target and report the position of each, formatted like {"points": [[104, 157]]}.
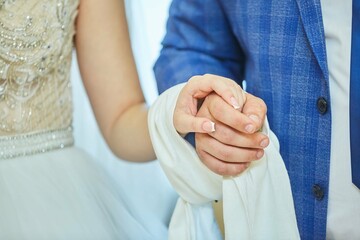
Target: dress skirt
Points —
{"points": [[62, 194]]}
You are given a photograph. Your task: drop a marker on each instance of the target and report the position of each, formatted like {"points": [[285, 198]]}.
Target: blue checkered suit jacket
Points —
{"points": [[278, 47]]}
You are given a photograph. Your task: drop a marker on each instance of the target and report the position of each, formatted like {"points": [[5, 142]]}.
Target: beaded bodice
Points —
{"points": [[36, 41]]}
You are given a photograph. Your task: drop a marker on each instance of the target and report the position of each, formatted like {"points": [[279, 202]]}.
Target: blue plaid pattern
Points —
{"points": [[355, 95], [278, 47]]}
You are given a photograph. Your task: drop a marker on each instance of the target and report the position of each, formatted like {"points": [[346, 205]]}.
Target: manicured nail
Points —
{"points": [[234, 103], [208, 126], [249, 128]]}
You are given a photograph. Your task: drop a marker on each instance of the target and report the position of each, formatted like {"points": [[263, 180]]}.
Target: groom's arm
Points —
{"points": [[198, 41]]}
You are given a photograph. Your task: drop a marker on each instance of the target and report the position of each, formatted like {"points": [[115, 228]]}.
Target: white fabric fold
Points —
{"points": [[257, 204]]}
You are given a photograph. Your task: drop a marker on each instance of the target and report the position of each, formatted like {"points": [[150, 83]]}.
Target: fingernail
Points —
{"points": [[249, 128], [208, 126], [254, 118], [264, 143], [234, 103], [259, 154]]}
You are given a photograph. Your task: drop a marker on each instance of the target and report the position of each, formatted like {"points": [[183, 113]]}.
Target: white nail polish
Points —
{"points": [[234, 103], [212, 126], [209, 126]]}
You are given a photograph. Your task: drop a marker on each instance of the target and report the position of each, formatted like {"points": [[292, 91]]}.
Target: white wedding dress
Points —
{"points": [[49, 189]]}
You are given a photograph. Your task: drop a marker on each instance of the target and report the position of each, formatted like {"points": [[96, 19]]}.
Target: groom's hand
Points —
{"points": [[236, 140]]}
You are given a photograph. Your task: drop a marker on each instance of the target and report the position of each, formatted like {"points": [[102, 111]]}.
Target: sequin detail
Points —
{"points": [[36, 41], [28, 144]]}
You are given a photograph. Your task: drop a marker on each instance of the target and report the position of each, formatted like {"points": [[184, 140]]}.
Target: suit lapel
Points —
{"points": [[310, 12]]}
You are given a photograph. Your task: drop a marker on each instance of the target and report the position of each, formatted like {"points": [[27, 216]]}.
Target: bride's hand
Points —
{"points": [[195, 90]]}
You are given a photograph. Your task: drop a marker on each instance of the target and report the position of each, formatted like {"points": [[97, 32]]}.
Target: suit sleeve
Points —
{"points": [[199, 40]]}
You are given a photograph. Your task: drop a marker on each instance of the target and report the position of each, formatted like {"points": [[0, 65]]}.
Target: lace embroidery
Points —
{"points": [[35, 57]]}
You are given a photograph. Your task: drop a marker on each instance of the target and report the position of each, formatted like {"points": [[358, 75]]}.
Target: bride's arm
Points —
{"points": [[109, 74]]}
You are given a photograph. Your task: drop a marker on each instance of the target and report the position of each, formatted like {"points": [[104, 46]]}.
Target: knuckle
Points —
{"points": [[194, 78], [238, 87], [249, 155], [243, 167], [234, 84], [224, 154], [262, 105], [221, 169], [217, 109], [255, 139], [239, 119], [238, 168], [265, 108], [201, 155], [225, 135], [208, 75], [228, 91]]}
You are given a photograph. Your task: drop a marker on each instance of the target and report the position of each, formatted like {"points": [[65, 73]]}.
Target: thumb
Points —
{"points": [[188, 123]]}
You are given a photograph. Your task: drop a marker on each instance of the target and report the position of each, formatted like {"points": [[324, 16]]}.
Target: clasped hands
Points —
{"points": [[226, 125]]}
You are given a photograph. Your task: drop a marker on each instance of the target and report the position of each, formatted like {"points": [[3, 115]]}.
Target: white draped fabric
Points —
{"points": [[149, 195], [257, 204]]}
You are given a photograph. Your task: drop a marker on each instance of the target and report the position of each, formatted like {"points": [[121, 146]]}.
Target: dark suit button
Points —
{"points": [[322, 105], [318, 192]]}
